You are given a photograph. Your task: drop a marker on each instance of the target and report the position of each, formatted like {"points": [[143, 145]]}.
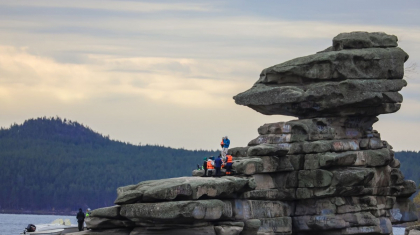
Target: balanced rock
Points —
{"points": [[326, 173], [362, 81]]}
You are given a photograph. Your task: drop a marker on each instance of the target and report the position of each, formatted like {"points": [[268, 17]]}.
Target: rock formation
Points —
{"points": [[326, 173]]}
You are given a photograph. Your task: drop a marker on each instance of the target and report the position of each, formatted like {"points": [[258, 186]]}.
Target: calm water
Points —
{"points": [[398, 231], [11, 224]]}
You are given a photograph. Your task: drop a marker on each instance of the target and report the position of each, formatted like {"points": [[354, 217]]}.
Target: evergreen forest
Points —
{"points": [[54, 165], [410, 164], [51, 164]]}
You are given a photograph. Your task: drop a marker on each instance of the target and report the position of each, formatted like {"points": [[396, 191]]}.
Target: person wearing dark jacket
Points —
{"points": [[80, 219], [217, 165], [205, 167]]}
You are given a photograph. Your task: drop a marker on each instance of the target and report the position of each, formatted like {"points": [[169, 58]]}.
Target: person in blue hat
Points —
{"points": [[225, 146]]}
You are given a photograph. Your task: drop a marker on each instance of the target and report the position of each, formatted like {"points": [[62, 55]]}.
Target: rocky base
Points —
{"points": [[329, 175]]}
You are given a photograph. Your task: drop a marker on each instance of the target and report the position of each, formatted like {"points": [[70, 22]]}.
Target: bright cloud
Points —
{"points": [[130, 6], [168, 80]]}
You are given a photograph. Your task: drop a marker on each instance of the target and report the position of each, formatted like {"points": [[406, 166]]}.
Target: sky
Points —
{"points": [[165, 72]]}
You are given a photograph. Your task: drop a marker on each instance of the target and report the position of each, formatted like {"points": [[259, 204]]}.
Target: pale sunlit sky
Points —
{"points": [[165, 72]]}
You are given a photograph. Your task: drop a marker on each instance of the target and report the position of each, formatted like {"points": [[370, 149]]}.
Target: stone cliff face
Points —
{"points": [[326, 173]]}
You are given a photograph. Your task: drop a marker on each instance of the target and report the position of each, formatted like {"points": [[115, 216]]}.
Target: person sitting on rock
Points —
{"points": [[218, 165]]}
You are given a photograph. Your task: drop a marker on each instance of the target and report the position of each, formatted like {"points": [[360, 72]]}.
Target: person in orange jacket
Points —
{"points": [[229, 162], [210, 166]]}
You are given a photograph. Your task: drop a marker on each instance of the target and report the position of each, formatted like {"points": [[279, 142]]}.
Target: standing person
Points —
{"points": [[205, 167], [210, 167], [226, 143], [218, 164], [80, 219], [229, 162], [222, 144]]}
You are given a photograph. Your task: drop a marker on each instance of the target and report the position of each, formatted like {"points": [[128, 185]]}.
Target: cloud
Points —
{"points": [[170, 80], [223, 37], [19, 69], [120, 5]]}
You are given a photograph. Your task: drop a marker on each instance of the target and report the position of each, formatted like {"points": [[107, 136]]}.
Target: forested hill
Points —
{"points": [[54, 164], [410, 164]]}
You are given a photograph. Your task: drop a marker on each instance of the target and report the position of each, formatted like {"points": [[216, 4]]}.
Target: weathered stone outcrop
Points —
{"points": [[184, 187], [360, 74], [326, 173]]}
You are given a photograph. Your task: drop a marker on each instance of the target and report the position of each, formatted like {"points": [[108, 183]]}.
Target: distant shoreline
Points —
{"points": [[38, 212]]}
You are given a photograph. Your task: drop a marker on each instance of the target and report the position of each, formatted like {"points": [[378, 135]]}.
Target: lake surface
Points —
{"points": [[398, 230], [12, 224]]}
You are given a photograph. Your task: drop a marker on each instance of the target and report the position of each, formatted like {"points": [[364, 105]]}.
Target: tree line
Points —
{"points": [[55, 164]]}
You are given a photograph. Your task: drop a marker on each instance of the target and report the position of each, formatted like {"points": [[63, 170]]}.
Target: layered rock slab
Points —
{"points": [[178, 211], [359, 40], [184, 187]]}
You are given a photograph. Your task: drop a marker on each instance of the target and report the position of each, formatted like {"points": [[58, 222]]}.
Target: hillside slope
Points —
{"points": [[410, 164], [54, 164]]}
